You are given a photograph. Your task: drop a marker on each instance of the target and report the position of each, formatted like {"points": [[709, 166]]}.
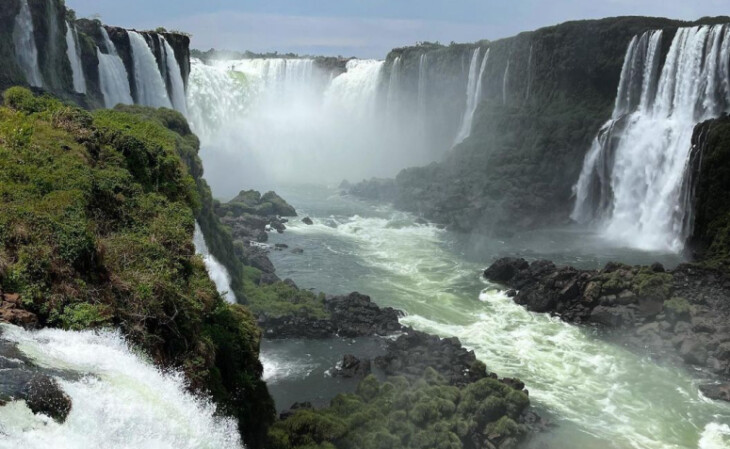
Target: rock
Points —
{"points": [[43, 395], [503, 270], [703, 326], [297, 251], [307, 221], [612, 316], [657, 267], [693, 351], [281, 246], [511, 293], [351, 367], [716, 391], [268, 279], [294, 408], [291, 283], [11, 311]]}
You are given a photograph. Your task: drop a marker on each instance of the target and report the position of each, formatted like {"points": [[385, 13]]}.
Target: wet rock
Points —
{"points": [[505, 269], [612, 316], [351, 367], [307, 221], [297, 251], [281, 246], [693, 351], [268, 279], [719, 392], [291, 283], [44, 395]]}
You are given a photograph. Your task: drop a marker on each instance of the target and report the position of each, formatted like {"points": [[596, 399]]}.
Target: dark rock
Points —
{"points": [[693, 351], [503, 270], [351, 366], [612, 316], [291, 283], [297, 251], [43, 395], [268, 279], [657, 267], [281, 246], [716, 391], [12, 311], [511, 293], [307, 221]]}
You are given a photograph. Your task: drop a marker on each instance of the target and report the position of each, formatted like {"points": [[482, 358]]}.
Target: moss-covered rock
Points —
{"points": [[96, 230]]}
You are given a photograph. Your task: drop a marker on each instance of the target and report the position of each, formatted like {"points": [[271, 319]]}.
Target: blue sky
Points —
{"points": [[367, 28]]}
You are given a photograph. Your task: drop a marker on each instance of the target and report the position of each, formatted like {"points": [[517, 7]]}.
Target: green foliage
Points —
{"points": [[423, 414], [281, 299], [677, 308], [650, 284], [96, 229]]}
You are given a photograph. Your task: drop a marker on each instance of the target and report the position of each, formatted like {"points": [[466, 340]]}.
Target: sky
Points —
{"points": [[367, 28]]}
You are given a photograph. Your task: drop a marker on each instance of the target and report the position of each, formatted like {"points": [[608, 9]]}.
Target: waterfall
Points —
{"points": [[113, 75], [473, 93], [354, 92], [631, 181], [151, 89], [529, 75], [26, 52], [505, 80], [393, 87], [175, 76], [422, 83], [217, 272], [119, 398], [72, 50]]}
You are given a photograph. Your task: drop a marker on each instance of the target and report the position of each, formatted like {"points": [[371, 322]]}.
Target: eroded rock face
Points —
{"points": [[12, 311], [682, 313]]}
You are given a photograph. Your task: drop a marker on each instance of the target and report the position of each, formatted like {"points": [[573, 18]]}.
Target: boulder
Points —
{"points": [[503, 270], [351, 367], [716, 391], [693, 351], [307, 221], [44, 395]]}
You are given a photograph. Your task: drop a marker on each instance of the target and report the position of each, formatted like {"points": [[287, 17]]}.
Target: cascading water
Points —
{"points": [[422, 83], [179, 101], [151, 88], [26, 52], [505, 81], [393, 104], [217, 272], [120, 400], [113, 75], [632, 177], [473, 93], [72, 50]]}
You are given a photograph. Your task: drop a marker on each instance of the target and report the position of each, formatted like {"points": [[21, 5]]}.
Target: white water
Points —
{"points": [[72, 50], [151, 88], [505, 81], [26, 52], [473, 93], [119, 401], [179, 102], [601, 395], [113, 75], [392, 100], [632, 176], [217, 272], [317, 128], [422, 84]]}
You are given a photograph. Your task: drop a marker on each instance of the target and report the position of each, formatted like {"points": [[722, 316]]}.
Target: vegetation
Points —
{"points": [[96, 229], [281, 299], [426, 414]]}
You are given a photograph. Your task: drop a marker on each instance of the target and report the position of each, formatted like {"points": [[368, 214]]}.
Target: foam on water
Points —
{"points": [[602, 395], [121, 400]]}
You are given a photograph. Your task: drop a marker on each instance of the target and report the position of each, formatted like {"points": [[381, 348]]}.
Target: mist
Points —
{"points": [[264, 123]]}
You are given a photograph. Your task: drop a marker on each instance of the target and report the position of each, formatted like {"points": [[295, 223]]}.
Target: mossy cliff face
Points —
{"points": [[50, 19], [545, 94], [710, 176], [96, 230]]}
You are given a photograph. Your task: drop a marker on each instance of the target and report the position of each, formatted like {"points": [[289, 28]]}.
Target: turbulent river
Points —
{"points": [[599, 394]]}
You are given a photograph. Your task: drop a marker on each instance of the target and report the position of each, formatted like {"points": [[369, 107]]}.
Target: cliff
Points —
{"points": [[96, 230], [50, 22], [544, 95]]}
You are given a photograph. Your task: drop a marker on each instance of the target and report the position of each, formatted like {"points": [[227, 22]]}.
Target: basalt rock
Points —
{"points": [[353, 315], [681, 313], [351, 366], [43, 395]]}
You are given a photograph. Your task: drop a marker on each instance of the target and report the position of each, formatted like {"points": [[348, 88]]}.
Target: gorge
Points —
{"points": [[174, 307]]}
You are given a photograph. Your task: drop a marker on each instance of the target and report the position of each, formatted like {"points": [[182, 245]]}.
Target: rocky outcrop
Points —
{"points": [[376, 189], [13, 312], [351, 366], [354, 315], [681, 313]]}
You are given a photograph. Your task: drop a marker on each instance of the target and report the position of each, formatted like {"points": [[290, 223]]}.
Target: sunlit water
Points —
{"points": [[599, 394]]}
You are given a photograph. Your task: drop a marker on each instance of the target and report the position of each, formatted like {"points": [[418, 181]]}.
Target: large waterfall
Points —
{"points": [[151, 89], [632, 176], [269, 121], [120, 400], [473, 93], [72, 50], [25, 47], [113, 75]]}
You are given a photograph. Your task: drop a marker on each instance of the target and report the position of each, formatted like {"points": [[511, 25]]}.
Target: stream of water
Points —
{"points": [[599, 394]]}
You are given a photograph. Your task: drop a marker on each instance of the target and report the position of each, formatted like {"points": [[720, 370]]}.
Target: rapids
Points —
{"points": [[599, 394]]}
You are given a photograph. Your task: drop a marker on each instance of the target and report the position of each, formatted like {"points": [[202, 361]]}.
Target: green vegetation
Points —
{"points": [[677, 309], [426, 414], [96, 229], [281, 299]]}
